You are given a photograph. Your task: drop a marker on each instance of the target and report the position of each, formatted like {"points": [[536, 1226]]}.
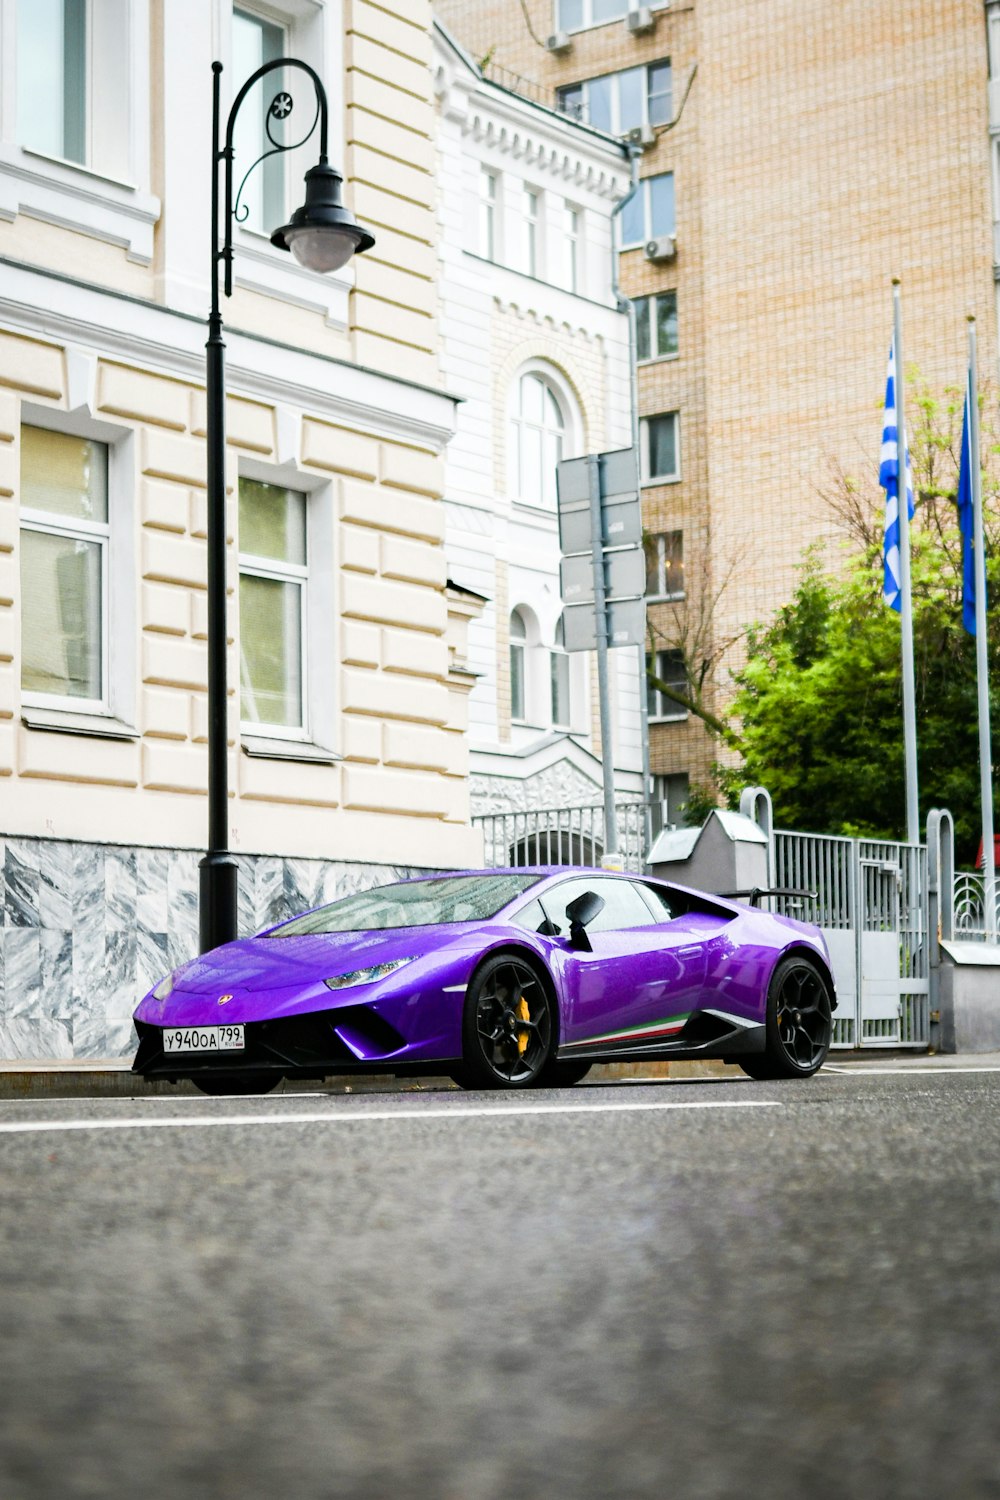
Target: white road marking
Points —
{"points": [[363, 1117], [875, 1070]]}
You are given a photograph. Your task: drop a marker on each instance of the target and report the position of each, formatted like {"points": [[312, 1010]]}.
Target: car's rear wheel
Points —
{"points": [[799, 1023], [508, 1026], [237, 1083]]}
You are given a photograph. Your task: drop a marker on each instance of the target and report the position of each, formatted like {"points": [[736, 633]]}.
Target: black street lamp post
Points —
{"points": [[322, 235]]}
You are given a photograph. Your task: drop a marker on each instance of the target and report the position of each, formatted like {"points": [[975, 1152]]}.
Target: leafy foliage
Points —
{"points": [[819, 700]]}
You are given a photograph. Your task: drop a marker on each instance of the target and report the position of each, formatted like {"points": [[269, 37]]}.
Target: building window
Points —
{"points": [[537, 430], [571, 248], [518, 661], [665, 565], [660, 449], [65, 535], [578, 15], [73, 81], [656, 326], [488, 215], [619, 102], [274, 578], [669, 799], [559, 665], [257, 41], [530, 209], [650, 213], [668, 666]]}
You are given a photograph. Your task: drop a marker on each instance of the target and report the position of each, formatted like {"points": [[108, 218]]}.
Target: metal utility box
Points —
{"points": [[728, 853]]}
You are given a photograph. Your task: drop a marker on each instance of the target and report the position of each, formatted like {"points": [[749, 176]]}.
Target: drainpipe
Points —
{"points": [[626, 305]]}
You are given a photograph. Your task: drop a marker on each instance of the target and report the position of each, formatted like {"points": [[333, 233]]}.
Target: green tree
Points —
{"points": [[818, 708]]}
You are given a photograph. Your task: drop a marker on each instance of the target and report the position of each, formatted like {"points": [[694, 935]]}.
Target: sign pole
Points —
{"points": [[982, 667], [610, 858], [906, 599]]}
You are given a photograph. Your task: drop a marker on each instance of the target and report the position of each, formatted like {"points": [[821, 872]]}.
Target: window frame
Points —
{"points": [[649, 302], [252, 565], [647, 477], [656, 705], [276, 164], [515, 420], [561, 665], [615, 76], [664, 595], [588, 24], [489, 216], [119, 611], [518, 644], [531, 219], [648, 232], [571, 241]]}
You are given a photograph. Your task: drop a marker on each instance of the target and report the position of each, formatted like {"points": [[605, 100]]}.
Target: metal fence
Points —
{"points": [[970, 906], [562, 836]]}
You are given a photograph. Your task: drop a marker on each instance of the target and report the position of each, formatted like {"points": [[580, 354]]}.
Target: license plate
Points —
{"points": [[203, 1039]]}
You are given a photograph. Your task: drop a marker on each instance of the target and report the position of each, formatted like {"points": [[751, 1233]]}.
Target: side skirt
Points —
{"points": [[736, 1043]]}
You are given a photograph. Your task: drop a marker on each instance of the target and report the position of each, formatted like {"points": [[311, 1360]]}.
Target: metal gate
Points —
{"points": [[871, 902]]}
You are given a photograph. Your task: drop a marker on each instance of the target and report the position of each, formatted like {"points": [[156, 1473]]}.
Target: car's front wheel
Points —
{"points": [[799, 1023], [508, 1026], [237, 1083]]}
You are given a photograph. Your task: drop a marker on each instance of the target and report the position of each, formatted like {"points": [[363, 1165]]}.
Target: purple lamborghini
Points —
{"points": [[499, 979]]}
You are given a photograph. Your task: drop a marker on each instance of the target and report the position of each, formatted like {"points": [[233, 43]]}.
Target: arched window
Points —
{"points": [[518, 642], [559, 679], [537, 430]]}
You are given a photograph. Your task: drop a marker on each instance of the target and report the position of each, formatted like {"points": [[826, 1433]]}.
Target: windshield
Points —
{"points": [[413, 903]]}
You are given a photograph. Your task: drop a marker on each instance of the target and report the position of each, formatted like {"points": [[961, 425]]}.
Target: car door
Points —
{"points": [[642, 974]]}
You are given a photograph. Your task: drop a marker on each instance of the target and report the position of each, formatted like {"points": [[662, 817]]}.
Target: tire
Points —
{"points": [[559, 1073], [219, 1084], [508, 1026], [799, 1023]]}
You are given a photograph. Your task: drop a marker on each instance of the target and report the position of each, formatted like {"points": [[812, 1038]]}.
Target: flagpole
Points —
{"points": [[906, 600], [982, 666]]}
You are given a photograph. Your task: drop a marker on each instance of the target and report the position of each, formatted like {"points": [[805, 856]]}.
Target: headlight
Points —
{"points": [[164, 988], [365, 976]]}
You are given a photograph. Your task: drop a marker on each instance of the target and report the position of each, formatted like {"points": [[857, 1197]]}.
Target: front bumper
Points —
{"points": [[312, 1045]]}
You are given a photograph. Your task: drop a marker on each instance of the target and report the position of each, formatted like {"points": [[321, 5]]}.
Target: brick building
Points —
{"points": [[813, 153]]}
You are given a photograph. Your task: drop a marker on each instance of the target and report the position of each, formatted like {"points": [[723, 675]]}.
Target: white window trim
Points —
{"points": [[532, 206], [656, 359], [119, 621], [646, 477], [315, 36], [317, 738], [590, 25], [617, 128], [490, 217], [665, 596], [647, 231], [678, 714], [572, 244], [70, 195], [572, 426]]}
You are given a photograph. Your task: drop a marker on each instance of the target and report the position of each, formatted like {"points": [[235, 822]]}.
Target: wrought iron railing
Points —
{"points": [[562, 836], [970, 906]]}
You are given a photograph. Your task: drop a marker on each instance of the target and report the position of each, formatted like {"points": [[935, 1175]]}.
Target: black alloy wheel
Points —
{"points": [[230, 1084], [508, 1029], [799, 1023]]}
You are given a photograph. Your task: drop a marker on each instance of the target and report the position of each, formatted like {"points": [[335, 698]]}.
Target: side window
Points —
{"points": [[624, 906], [659, 899], [532, 917]]}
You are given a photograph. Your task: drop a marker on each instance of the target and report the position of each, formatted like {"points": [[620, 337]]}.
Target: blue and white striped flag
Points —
{"points": [[888, 478]]}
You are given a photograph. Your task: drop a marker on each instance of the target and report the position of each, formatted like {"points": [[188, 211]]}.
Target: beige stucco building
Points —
{"points": [[348, 686]]}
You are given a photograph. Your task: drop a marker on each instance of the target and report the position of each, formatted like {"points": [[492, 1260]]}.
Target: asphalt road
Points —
{"points": [[686, 1289]]}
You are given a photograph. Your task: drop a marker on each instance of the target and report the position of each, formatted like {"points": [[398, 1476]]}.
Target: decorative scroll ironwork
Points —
{"points": [[280, 108]]}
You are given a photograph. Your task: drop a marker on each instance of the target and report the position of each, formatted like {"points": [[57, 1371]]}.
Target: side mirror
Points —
{"points": [[581, 913]]}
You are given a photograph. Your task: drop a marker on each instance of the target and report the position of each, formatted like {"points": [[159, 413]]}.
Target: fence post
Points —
{"points": [[940, 898], [752, 800]]}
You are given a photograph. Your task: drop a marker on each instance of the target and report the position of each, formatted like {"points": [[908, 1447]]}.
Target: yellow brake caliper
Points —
{"points": [[523, 1014]]}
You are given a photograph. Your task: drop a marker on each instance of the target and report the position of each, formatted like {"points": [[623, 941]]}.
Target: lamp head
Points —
{"points": [[323, 234]]}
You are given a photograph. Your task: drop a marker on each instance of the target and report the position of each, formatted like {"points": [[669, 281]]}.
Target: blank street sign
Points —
{"points": [[624, 576], [626, 625], [620, 512]]}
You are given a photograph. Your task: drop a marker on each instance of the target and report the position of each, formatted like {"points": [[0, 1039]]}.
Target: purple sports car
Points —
{"points": [[499, 979]]}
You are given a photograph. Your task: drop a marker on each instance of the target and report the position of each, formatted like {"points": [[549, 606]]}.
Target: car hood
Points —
{"points": [[262, 963]]}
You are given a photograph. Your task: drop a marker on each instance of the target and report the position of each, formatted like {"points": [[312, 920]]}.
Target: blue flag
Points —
{"points": [[966, 525], [888, 478]]}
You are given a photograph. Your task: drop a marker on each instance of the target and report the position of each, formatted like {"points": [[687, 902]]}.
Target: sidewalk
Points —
{"points": [[112, 1078]]}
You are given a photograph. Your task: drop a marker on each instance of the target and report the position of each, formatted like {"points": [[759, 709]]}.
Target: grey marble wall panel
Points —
{"points": [[88, 929]]}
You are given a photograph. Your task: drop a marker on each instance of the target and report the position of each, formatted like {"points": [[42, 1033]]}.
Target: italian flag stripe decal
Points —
{"points": [[666, 1027]]}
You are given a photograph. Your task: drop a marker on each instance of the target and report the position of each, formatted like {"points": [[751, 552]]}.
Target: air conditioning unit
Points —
{"points": [[640, 20], [641, 135], [559, 41], [663, 248]]}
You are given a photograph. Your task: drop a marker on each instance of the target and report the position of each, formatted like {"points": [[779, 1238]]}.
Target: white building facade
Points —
{"points": [[535, 346]]}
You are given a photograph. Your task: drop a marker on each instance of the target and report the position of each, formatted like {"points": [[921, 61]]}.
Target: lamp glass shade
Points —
{"points": [[322, 247]]}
